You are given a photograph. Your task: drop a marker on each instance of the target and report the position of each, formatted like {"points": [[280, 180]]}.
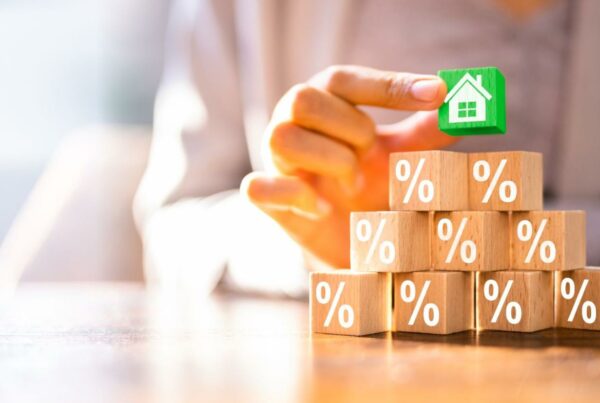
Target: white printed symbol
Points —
{"points": [[425, 191], [386, 249], [468, 249], [588, 309], [482, 173], [547, 249], [345, 311], [431, 312], [467, 100], [491, 290]]}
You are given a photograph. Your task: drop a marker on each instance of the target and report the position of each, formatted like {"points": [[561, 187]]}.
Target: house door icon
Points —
{"points": [[467, 100]]}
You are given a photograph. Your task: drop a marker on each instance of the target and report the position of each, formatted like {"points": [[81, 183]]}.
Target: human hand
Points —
{"points": [[328, 158]]}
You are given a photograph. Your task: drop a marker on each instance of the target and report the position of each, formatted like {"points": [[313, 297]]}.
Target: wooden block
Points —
{"points": [[577, 297], [471, 241], [351, 303], [433, 302], [389, 241], [476, 102], [428, 180], [548, 240], [506, 181], [518, 301]]}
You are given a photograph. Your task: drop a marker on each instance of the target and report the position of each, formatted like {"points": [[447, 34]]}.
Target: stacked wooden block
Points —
{"points": [[466, 245]]}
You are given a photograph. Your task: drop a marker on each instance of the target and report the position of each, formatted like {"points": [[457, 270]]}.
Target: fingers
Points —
{"points": [[296, 149], [295, 206], [284, 193], [417, 132], [366, 86], [322, 112]]}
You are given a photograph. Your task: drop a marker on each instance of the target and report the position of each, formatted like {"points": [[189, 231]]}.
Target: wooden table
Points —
{"points": [[117, 343]]}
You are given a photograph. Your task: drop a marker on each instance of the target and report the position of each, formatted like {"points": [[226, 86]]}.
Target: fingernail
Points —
{"points": [[425, 90]]}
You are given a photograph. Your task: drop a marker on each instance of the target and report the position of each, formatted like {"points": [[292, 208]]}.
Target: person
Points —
{"points": [[324, 150]]}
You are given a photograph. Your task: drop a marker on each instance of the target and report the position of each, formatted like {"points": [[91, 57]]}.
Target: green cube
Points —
{"points": [[476, 102]]}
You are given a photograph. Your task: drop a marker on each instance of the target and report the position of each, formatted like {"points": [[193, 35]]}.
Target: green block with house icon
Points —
{"points": [[475, 103]]}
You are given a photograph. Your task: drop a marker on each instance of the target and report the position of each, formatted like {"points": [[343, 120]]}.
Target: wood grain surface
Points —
{"points": [[523, 168], [488, 230], [564, 229], [407, 231], [447, 172], [118, 343]]}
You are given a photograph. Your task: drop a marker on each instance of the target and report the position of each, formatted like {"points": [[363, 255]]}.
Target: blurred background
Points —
{"points": [[78, 80], [71, 65]]}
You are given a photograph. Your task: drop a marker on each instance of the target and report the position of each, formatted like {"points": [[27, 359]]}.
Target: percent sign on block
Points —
{"points": [[430, 312], [515, 301], [547, 248], [386, 249], [513, 310], [425, 189], [588, 309], [345, 313], [468, 248], [548, 240], [505, 181], [390, 241], [471, 241], [433, 302], [507, 190], [345, 302], [577, 296], [428, 180]]}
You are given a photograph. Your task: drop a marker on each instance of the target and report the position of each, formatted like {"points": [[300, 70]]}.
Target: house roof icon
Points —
{"points": [[475, 83]]}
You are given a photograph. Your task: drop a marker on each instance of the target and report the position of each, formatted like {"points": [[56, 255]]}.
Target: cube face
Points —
{"points": [[428, 180], [577, 296], [505, 181], [471, 241], [350, 303], [548, 240], [475, 103], [389, 241], [514, 301], [433, 302]]}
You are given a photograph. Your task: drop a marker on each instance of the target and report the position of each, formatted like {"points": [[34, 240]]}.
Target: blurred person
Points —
{"points": [[279, 87]]}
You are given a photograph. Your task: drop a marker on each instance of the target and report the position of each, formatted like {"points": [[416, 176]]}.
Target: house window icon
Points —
{"points": [[467, 100]]}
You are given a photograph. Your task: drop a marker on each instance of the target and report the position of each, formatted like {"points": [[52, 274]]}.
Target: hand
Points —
{"points": [[328, 158]]}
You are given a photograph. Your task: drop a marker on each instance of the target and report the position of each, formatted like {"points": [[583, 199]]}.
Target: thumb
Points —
{"points": [[387, 89], [417, 132]]}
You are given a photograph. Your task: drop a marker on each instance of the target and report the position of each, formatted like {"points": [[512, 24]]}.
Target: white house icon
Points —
{"points": [[467, 100]]}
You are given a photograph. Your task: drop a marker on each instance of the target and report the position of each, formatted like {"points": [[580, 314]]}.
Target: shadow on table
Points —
{"points": [[542, 339]]}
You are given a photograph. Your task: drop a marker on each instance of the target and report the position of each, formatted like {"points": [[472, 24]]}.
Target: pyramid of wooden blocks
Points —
{"points": [[466, 245]]}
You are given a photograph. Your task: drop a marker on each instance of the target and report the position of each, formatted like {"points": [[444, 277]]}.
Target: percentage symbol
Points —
{"points": [[513, 311], [345, 311], [431, 312], [364, 233], [425, 190], [468, 249], [547, 249], [482, 173], [588, 309]]}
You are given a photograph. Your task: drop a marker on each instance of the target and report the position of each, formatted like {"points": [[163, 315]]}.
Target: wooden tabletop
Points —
{"points": [[119, 343]]}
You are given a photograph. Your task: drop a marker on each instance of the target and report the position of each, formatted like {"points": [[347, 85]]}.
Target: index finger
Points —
{"points": [[388, 89]]}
